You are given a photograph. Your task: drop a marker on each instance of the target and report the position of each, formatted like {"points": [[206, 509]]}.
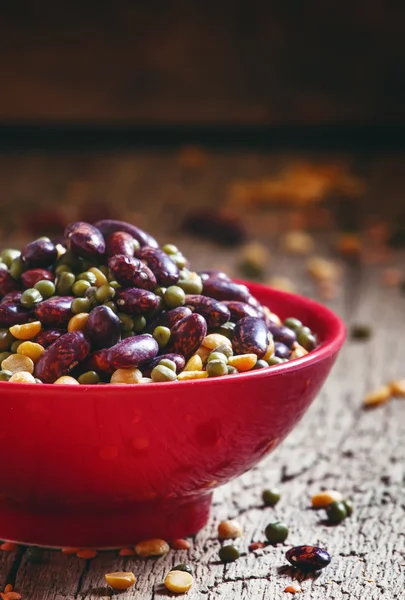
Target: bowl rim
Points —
{"points": [[335, 335]]}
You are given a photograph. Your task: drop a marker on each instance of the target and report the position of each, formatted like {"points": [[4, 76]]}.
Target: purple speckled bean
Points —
{"points": [[85, 240], [213, 274], [96, 361], [187, 335], [220, 289], [46, 337], [170, 317], [120, 242], [39, 253], [133, 352], [55, 311], [109, 226], [239, 310], [62, 356], [176, 358], [250, 336], [7, 283], [283, 334], [13, 314], [252, 301], [11, 297], [131, 272], [214, 312], [103, 327], [32, 276], [166, 271], [134, 301], [281, 350], [308, 558]]}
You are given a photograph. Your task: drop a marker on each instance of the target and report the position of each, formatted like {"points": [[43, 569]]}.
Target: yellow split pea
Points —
{"points": [[120, 580], [26, 331], [178, 582]]}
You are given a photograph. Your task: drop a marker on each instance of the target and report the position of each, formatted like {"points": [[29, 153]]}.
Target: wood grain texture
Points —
{"points": [[338, 444]]}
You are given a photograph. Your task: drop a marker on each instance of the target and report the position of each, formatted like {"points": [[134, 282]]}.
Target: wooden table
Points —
{"points": [[338, 445]]}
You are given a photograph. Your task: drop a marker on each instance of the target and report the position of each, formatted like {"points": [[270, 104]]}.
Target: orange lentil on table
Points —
{"points": [[180, 544]]}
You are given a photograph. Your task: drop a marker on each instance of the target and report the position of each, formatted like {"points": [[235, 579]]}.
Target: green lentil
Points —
{"points": [[336, 512], [275, 360], [88, 276], [162, 373], [293, 323], [179, 260], [306, 340], [232, 370], [17, 268], [216, 368], [217, 356], [111, 305], [30, 298], [114, 284], [193, 285], [170, 364], [80, 288], [64, 283], [5, 375], [105, 292], [183, 567], [174, 296], [271, 497], [3, 266], [69, 259], [89, 378], [43, 238], [127, 334], [45, 287], [228, 554], [139, 323], [360, 332], [162, 335], [6, 339], [8, 255], [15, 345], [91, 295], [63, 269], [349, 507], [160, 291], [80, 305], [226, 330], [224, 349], [261, 364], [276, 532], [87, 264], [4, 355], [127, 324], [170, 249]]}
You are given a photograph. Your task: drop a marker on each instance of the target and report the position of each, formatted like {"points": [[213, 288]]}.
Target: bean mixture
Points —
{"points": [[107, 304]]}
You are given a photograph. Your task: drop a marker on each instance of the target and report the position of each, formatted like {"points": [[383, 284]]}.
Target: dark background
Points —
{"points": [[170, 62]]}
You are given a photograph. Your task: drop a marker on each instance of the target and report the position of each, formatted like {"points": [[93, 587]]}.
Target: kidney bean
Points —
{"points": [[11, 297], [39, 253], [166, 272], [13, 314], [134, 301], [85, 240], [283, 334], [130, 272], [59, 358], [120, 242], [96, 361], [214, 312], [221, 289], [281, 350], [308, 558], [187, 335], [109, 226], [103, 327], [250, 336], [7, 283], [32, 276], [213, 274], [133, 351], [170, 317], [252, 301], [239, 310], [55, 311], [46, 337], [176, 358]]}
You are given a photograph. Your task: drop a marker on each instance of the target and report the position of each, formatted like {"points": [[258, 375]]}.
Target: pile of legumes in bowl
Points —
{"points": [[108, 305]]}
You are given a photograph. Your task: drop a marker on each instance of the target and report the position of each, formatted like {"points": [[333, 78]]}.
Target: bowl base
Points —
{"points": [[165, 519]]}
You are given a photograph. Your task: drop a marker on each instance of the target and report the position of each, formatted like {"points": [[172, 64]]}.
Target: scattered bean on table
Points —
{"points": [[107, 304]]}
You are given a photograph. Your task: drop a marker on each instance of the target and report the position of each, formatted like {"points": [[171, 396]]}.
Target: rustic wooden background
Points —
{"points": [[185, 62], [337, 445]]}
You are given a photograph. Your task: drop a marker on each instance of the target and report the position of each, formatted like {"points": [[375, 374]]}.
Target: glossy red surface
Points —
{"points": [[108, 465]]}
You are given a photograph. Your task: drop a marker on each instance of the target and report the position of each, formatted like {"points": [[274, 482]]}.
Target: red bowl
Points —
{"points": [[107, 466]]}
